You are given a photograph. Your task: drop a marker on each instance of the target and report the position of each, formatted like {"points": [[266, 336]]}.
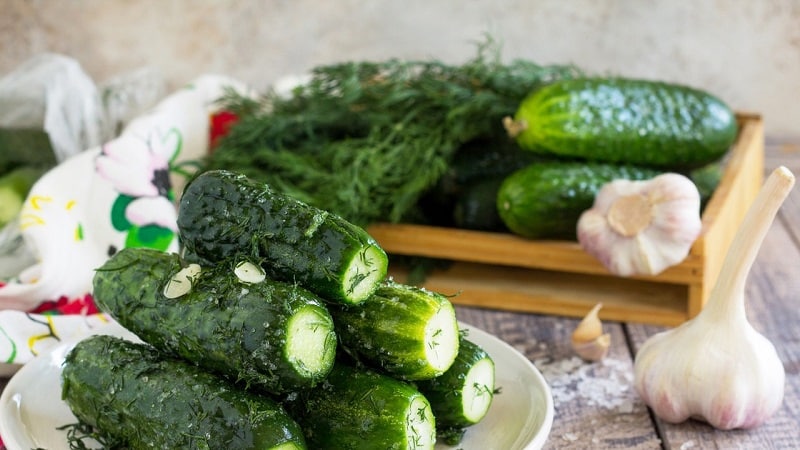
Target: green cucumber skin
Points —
{"points": [[356, 409], [631, 121], [446, 391], [387, 330], [223, 325], [223, 213], [136, 397], [545, 200]]}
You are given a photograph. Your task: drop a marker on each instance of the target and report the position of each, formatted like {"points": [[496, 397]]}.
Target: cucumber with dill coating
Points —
{"points": [[271, 335], [360, 409], [136, 398], [408, 332], [462, 395], [222, 213]]}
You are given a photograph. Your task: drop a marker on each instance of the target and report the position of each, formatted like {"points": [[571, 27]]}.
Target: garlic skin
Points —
{"points": [[728, 374], [642, 227], [716, 367], [588, 340]]}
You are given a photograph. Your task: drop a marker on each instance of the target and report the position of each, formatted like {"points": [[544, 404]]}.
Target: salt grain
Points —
{"points": [[605, 384]]}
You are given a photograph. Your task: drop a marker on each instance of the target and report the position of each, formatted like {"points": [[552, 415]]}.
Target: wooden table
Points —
{"points": [[596, 406]]}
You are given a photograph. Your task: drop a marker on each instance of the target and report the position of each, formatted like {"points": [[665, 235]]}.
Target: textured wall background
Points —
{"points": [[747, 52]]}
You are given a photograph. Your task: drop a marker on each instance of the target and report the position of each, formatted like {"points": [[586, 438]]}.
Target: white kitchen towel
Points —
{"points": [[120, 194]]}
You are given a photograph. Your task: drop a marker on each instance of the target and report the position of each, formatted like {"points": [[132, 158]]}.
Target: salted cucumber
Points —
{"points": [[625, 120], [227, 318], [222, 214], [408, 332], [134, 397], [361, 409], [461, 397]]}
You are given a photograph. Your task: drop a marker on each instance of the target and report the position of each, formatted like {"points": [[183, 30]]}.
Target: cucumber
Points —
{"points": [[274, 336], [14, 187], [462, 395], [360, 409], [222, 214], [136, 398], [408, 332], [476, 207], [545, 200], [623, 120]]}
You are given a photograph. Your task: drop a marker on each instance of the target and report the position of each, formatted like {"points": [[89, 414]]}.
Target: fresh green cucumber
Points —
{"points": [[272, 335], [629, 121], [462, 395], [136, 398], [222, 214], [360, 409], [409, 332], [14, 187], [545, 200]]}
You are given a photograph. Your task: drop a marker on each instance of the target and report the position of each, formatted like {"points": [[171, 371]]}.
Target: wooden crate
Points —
{"points": [[502, 271]]}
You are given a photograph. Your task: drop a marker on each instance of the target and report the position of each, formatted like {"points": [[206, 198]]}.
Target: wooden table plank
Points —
{"points": [[772, 307], [595, 405]]}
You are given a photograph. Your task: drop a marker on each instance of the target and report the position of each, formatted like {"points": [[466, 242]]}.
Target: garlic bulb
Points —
{"points": [[588, 339], [717, 367], [642, 227]]}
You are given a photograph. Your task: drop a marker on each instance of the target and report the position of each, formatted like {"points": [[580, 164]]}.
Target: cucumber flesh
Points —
{"points": [[441, 337], [478, 390], [361, 276], [308, 342], [420, 424]]}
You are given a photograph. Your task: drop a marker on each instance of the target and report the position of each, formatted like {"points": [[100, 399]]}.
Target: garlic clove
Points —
{"points": [[588, 340], [593, 350]]}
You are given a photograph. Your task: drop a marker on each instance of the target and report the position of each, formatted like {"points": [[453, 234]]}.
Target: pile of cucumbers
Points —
{"points": [[276, 328], [572, 136]]}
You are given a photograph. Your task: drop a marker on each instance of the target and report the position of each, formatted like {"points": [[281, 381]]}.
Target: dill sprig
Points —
{"points": [[366, 139]]}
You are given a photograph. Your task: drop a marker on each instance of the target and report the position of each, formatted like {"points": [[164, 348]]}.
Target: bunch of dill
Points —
{"points": [[366, 139]]}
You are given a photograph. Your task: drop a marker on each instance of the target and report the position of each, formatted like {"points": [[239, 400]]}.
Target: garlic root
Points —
{"points": [[716, 367], [588, 339]]}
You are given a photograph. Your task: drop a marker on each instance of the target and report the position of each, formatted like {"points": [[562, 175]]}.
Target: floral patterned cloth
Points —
{"points": [[120, 194]]}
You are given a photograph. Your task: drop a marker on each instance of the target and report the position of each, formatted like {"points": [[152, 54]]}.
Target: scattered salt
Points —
{"points": [[687, 445], [605, 384]]}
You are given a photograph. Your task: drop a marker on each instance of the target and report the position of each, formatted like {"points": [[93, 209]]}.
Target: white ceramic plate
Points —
{"points": [[520, 417]]}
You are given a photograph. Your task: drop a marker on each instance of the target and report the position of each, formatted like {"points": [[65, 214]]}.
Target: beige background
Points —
{"points": [[745, 51]]}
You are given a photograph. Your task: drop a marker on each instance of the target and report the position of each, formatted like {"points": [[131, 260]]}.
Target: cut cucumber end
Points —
{"points": [[311, 342], [478, 390], [441, 339], [285, 446], [364, 273], [420, 425]]}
